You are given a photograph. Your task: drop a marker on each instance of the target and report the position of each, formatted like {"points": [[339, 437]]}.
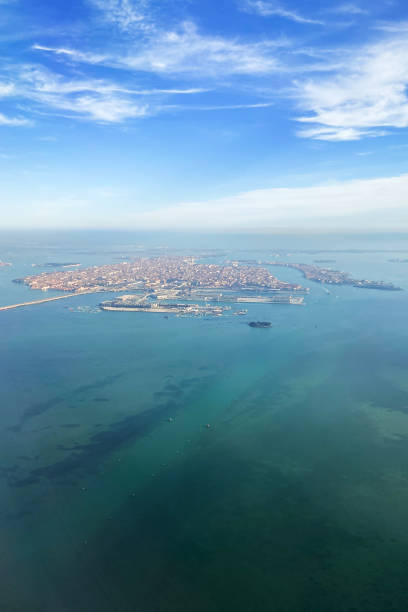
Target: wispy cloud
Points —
{"points": [[127, 15], [46, 92], [107, 109], [392, 27], [6, 89], [362, 94], [97, 100], [267, 8], [47, 81], [75, 55], [349, 9], [187, 51], [13, 121], [361, 99], [86, 98], [219, 107]]}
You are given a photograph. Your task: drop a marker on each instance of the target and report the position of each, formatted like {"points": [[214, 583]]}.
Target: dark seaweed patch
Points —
{"points": [[129, 429], [15, 516], [171, 387], [41, 407], [369, 384], [103, 443], [23, 482], [6, 472]]}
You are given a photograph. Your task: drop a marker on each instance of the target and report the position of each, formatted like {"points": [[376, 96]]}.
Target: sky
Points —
{"points": [[227, 115]]}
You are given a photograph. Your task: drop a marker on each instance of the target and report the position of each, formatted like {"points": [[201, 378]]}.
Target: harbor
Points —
{"points": [[127, 305], [214, 304]]}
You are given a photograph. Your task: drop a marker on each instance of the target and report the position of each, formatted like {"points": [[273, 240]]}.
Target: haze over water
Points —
{"points": [[114, 495]]}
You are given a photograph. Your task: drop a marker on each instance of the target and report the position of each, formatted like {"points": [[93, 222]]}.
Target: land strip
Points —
{"points": [[51, 299]]}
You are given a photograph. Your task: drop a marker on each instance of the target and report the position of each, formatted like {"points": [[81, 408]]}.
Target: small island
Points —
{"points": [[334, 277], [324, 261], [260, 324], [56, 264]]}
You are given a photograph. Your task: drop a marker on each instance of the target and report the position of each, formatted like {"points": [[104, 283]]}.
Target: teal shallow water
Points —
{"points": [[115, 496]]}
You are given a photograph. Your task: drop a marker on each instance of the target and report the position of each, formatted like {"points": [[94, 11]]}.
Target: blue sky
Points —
{"points": [[191, 114]]}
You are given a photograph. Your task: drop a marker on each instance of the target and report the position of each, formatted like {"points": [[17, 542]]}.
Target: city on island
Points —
{"points": [[172, 278], [175, 281]]}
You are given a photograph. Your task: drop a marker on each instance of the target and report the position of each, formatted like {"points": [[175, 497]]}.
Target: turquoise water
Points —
{"points": [[114, 495]]}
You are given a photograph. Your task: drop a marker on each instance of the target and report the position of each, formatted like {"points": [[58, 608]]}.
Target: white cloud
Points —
{"points": [[265, 8], [393, 27], [77, 56], [6, 89], [376, 203], [234, 106], [56, 84], [332, 134], [349, 9], [124, 13], [100, 100], [109, 109], [368, 93], [362, 94], [93, 99], [217, 107], [188, 51], [13, 121], [338, 134]]}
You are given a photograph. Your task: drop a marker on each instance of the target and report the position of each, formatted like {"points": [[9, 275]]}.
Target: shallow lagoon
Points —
{"points": [[115, 496]]}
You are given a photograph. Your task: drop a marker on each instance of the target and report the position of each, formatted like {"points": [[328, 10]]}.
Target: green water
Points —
{"points": [[114, 495]]}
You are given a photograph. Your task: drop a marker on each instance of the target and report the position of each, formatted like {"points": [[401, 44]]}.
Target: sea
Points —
{"points": [[177, 464]]}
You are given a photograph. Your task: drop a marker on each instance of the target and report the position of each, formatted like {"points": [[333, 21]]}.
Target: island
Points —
{"points": [[324, 261], [260, 324], [158, 273], [334, 277], [56, 264]]}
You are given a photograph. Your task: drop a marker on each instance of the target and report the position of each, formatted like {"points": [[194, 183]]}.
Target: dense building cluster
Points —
{"points": [[158, 272]]}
